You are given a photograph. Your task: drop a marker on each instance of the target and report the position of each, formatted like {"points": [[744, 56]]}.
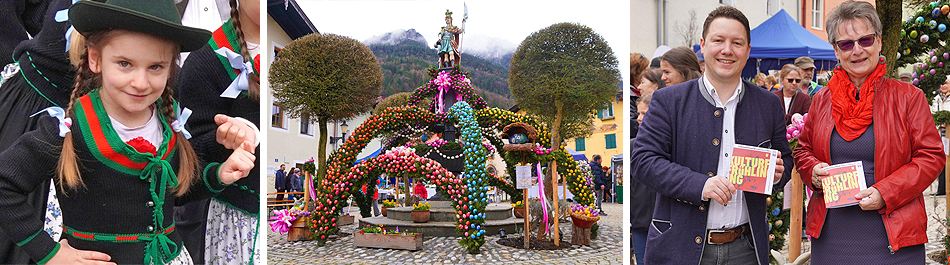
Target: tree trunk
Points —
{"points": [[890, 13], [322, 153], [556, 143]]}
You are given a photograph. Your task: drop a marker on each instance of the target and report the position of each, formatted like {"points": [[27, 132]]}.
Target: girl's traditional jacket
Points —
{"points": [[125, 206]]}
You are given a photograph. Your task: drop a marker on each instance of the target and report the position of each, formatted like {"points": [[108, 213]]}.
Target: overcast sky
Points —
{"points": [[510, 20]]}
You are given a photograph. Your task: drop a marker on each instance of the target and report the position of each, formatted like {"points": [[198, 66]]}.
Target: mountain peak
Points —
{"points": [[396, 37]]}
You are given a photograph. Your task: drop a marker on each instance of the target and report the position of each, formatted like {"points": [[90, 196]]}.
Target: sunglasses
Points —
{"points": [[864, 41], [790, 80]]}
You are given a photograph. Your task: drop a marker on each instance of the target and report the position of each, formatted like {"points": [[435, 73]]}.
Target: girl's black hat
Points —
{"points": [[156, 17]]}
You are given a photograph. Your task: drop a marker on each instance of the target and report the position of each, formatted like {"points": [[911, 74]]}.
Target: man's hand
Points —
{"points": [[874, 201], [69, 255], [779, 169], [817, 172], [718, 188]]}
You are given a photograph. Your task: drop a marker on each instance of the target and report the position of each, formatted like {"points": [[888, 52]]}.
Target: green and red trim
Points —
{"points": [[119, 238], [225, 37], [104, 142]]}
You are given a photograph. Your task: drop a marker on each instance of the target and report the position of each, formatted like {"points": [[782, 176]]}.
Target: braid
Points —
{"points": [[254, 81], [67, 169], [187, 159]]}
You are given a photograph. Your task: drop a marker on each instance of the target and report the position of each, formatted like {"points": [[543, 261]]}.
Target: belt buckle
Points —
{"points": [[709, 236]]}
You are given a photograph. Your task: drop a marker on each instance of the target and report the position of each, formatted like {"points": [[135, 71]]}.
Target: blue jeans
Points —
{"points": [[639, 242], [739, 251]]}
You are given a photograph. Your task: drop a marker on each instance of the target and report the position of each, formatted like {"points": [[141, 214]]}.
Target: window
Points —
{"points": [[305, 125], [816, 13], [606, 113], [611, 140], [580, 144], [277, 117]]}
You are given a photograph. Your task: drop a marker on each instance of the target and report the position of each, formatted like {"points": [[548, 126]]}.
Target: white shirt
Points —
{"points": [[736, 212], [788, 102], [151, 131]]}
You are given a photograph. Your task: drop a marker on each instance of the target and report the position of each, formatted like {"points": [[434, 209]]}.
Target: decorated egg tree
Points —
{"points": [[923, 43], [467, 191]]}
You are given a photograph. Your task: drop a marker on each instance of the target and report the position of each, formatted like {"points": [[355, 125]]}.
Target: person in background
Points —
{"points": [[642, 198], [941, 102], [679, 65], [600, 180], [702, 61], [650, 81], [288, 182], [638, 64], [883, 124], [795, 101], [280, 181], [807, 65], [760, 80], [905, 77], [772, 83]]}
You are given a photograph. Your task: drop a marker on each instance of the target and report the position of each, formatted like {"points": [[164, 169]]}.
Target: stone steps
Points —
{"points": [[443, 228]]}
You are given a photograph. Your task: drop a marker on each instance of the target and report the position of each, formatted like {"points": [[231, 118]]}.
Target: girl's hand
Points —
{"points": [[816, 173], [237, 166], [233, 133], [70, 255]]}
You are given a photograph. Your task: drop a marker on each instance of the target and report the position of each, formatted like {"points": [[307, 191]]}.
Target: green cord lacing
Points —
{"points": [[41, 75]]}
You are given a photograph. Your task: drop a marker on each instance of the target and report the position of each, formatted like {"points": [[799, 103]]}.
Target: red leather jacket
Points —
{"points": [[908, 157]]}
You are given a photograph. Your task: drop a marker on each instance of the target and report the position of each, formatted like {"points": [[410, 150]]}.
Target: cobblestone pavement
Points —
{"points": [[935, 205], [606, 249]]}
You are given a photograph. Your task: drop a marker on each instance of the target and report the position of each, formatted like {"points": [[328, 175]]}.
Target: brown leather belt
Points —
{"points": [[717, 237]]}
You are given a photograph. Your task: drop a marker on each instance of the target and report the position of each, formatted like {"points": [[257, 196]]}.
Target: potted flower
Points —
{"points": [[377, 236], [386, 205], [293, 222], [420, 212], [345, 219], [519, 209]]}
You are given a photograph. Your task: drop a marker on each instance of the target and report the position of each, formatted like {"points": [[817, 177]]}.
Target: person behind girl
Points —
{"points": [[123, 159], [679, 65], [642, 198], [223, 77]]}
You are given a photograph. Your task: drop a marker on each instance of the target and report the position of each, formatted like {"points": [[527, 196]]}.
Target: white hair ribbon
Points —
{"points": [[179, 124]]}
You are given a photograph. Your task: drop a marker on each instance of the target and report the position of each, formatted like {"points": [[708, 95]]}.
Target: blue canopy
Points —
{"points": [[576, 155], [779, 41], [374, 154]]}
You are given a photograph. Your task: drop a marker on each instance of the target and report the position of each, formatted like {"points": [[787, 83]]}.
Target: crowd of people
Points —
{"points": [[691, 109]]}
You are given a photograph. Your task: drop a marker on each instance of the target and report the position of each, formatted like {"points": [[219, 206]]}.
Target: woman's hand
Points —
{"points": [[233, 133], [873, 202], [70, 255], [816, 173], [237, 166]]}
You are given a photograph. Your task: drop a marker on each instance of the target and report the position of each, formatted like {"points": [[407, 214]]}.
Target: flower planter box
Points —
{"points": [[519, 211], [383, 210], [345, 220], [420, 216], [376, 240], [299, 231]]}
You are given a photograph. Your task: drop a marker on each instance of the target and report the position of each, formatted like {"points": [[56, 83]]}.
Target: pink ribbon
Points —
{"points": [[544, 204]]}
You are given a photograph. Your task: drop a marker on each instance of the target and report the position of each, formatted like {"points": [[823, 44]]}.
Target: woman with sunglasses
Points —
{"points": [[886, 125], [795, 100]]}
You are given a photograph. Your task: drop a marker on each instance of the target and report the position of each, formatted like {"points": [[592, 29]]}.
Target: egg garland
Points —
{"points": [[777, 218], [455, 79], [475, 175], [921, 34]]}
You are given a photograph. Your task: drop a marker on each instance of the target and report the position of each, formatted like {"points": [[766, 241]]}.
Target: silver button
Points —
{"points": [[151, 228], [150, 204]]}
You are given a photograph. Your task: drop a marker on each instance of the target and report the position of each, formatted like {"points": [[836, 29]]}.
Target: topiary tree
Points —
{"points": [[561, 74], [326, 77]]}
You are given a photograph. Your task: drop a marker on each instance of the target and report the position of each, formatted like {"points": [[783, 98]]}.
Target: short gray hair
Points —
{"points": [[852, 10]]}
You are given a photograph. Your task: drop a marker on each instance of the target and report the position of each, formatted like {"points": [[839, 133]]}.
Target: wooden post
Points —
{"points": [[527, 220], [405, 181], [580, 235], [557, 238], [795, 232], [306, 192]]}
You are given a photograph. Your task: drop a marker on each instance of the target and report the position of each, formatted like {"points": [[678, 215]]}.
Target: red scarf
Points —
{"points": [[853, 116]]}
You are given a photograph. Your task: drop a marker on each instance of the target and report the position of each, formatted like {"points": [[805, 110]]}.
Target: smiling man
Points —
{"points": [[683, 153]]}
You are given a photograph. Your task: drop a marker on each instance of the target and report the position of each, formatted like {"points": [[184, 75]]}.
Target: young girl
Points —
{"points": [[223, 78], [121, 155]]}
